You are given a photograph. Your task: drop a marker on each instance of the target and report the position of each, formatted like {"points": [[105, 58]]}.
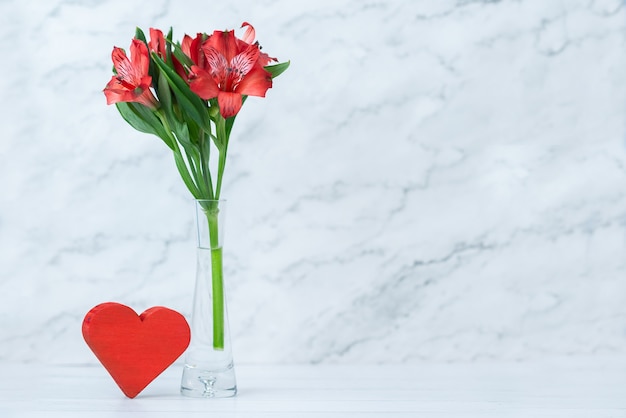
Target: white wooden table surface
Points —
{"points": [[567, 387]]}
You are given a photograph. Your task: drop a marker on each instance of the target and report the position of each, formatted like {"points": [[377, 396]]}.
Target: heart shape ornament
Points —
{"points": [[133, 348]]}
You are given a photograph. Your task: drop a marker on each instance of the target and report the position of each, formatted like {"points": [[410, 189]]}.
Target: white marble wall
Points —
{"points": [[430, 180]]}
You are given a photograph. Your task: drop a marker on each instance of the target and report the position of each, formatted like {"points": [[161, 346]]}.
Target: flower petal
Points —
{"points": [[179, 68], [250, 34], [215, 62], [144, 95], [185, 45], [230, 103], [115, 92], [242, 63], [157, 42], [265, 59], [193, 49], [255, 83], [124, 68], [202, 83], [118, 95], [140, 58], [224, 42]]}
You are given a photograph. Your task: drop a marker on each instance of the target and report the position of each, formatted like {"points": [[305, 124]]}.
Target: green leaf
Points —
{"points": [[180, 55], [185, 134], [182, 134], [143, 119], [140, 35], [165, 94], [168, 47], [277, 69], [189, 101], [184, 173]]}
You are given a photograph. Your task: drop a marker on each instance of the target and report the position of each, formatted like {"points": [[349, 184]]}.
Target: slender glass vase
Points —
{"points": [[209, 371]]}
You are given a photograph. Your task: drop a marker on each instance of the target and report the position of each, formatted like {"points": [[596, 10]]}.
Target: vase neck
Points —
{"points": [[210, 219]]}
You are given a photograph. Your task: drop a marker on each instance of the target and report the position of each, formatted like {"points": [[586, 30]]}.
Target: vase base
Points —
{"points": [[200, 382]]}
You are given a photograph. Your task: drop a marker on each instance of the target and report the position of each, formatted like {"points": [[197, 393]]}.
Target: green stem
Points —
{"points": [[220, 128], [217, 280]]}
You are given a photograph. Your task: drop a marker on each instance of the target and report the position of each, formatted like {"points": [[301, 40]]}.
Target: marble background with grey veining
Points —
{"points": [[430, 181]]}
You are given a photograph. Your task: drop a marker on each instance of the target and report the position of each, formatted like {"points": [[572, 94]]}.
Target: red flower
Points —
{"points": [[132, 82], [228, 68]]}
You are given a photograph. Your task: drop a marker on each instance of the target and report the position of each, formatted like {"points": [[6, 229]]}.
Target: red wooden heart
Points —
{"points": [[135, 349]]}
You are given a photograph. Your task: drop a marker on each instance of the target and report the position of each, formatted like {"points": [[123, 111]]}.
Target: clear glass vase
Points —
{"points": [[209, 371]]}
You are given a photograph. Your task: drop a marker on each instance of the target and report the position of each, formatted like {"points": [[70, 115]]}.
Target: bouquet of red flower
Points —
{"points": [[188, 94]]}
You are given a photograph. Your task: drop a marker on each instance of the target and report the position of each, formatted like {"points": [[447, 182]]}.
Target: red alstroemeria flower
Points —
{"points": [[132, 82], [233, 67]]}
